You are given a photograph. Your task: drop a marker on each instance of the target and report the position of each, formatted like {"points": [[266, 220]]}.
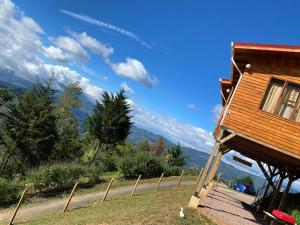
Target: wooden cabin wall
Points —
{"points": [[246, 117]]}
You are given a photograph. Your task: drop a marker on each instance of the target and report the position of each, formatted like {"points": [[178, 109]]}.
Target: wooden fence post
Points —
{"points": [[70, 197], [136, 184], [198, 178], [159, 181], [107, 190], [18, 206], [180, 178]]}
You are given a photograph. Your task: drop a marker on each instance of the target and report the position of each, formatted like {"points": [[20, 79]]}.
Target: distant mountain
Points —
{"points": [[194, 157]]}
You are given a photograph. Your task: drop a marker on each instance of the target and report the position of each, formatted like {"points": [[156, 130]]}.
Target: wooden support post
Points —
{"points": [[180, 178], [70, 197], [198, 178], [18, 206], [214, 168], [136, 184], [274, 197], [204, 174], [159, 181], [286, 191], [107, 190]]}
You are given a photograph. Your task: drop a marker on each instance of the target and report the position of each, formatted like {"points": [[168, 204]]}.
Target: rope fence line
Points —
{"points": [[68, 202]]}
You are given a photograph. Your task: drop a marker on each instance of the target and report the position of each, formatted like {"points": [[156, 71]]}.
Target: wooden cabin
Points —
{"points": [[261, 111]]}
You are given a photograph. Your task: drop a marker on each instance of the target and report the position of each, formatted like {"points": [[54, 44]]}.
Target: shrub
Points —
{"points": [[55, 176], [141, 163], [172, 171], [93, 173], [9, 190]]}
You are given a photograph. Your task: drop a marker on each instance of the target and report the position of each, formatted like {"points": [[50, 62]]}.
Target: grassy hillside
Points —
{"points": [[147, 208]]}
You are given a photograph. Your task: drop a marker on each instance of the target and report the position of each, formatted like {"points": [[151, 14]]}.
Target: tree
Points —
{"points": [[245, 180], [159, 146], [68, 145], [174, 156], [110, 121], [29, 126], [6, 95], [143, 146]]}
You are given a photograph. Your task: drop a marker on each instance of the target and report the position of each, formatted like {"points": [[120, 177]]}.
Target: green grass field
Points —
{"points": [[148, 208]]}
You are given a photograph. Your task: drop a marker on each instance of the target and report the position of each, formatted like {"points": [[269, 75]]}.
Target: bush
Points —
{"points": [[55, 176], [9, 190], [93, 173], [172, 171], [141, 163]]}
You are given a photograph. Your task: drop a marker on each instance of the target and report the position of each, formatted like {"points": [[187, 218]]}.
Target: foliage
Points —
{"points": [[9, 190], [172, 171], [29, 126], [140, 163], [245, 180], [143, 146], [174, 156], [68, 144], [6, 95], [159, 146], [55, 176], [110, 120]]}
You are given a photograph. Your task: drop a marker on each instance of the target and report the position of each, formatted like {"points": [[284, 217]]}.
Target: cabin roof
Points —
{"points": [[242, 53]]}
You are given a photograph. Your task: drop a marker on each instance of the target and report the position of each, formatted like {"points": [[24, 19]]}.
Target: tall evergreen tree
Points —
{"points": [[68, 144], [29, 124], [110, 121], [175, 156]]}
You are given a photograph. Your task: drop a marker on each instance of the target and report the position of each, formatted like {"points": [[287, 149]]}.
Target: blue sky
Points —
{"points": [[190, 43], [168, 55]]}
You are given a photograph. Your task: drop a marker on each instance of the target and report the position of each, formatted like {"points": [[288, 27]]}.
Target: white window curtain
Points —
{"points": [[272, 96], [288, 102]]}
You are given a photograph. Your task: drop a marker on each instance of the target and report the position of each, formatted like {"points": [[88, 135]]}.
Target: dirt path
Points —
{"points": [[37, 209], [227, 207]]}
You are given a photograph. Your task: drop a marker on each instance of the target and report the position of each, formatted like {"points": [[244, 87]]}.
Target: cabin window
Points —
{"points": [[282, 99]]}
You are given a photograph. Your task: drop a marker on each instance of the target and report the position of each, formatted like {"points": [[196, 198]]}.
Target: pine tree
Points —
{"points": [[29, 124], [68, 144], [175, 156], [110, 121]]}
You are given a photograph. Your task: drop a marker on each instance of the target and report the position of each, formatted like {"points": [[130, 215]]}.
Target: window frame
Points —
{"points": [[280, 99]]}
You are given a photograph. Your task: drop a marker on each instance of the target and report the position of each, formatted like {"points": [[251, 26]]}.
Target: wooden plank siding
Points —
{"points": [[245, 116]]}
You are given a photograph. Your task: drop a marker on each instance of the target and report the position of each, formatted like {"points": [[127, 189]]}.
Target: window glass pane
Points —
{"points": [[297, 114], [288, 101], [272, 95]]}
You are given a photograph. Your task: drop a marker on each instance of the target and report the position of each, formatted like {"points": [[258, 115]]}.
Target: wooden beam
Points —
{"points": [[227, 138], [204, 174], [265, 144]]}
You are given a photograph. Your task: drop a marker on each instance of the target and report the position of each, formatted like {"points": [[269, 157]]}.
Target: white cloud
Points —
{"points": [[31, 24], [126, 88], [72, 47], [192, 106], [217, 110], [93, 44], [56, 54], [174, 130], [21, 46], [135, 70], [109, 26]]}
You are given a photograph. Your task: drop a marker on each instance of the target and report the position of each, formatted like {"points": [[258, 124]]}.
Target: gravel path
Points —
{"points": [[37, 209], [228, 207]]}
